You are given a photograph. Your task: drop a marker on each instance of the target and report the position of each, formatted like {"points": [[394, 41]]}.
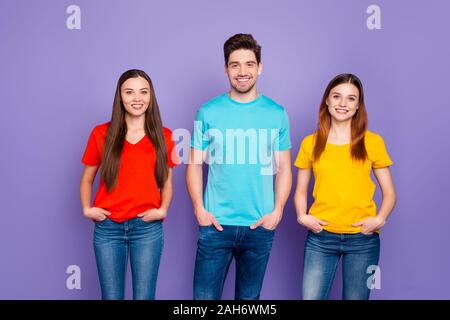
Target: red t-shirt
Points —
{"points": [[136, 190]]}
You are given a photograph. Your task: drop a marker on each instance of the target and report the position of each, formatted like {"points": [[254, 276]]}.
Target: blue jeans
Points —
{"points": [[216, 249], [322, 253], [114, 242]]}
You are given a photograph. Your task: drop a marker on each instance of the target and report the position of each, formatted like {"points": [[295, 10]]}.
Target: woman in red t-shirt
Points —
{"points": [[135, 154]]}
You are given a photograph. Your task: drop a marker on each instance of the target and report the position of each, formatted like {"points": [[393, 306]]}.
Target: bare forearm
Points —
{"points": [[194, 181], [85, 194], [300, 200], [387, 205], [384, 178], [167, 193], [301, 192], [283, 184]]}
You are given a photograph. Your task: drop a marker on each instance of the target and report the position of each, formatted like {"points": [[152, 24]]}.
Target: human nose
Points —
{"points": [[137, 97], [342, 102], [242, 70]]}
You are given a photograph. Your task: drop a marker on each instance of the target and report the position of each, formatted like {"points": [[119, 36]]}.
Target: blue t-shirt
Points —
{"points": [[240, 139]]}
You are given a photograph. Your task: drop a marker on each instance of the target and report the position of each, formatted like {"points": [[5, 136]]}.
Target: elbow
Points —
{"points": [[86, 181], [392, 196], [193, 168], [285, 169]]}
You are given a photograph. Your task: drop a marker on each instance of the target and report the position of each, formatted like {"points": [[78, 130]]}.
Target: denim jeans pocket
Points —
{"points": [[265, 229], [206, 229], [153, 224], [369, 235], [102, 221], [145, 222], [207, 232]]}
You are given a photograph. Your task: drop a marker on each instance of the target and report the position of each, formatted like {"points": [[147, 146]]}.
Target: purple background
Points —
{"points": [[57, 84]]}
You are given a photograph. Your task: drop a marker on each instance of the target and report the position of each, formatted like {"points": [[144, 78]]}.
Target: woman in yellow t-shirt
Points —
{"points": [[343, 220]]}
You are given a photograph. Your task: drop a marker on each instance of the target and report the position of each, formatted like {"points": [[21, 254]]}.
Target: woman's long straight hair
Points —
{"points": [[117, 131], [358, 126]]}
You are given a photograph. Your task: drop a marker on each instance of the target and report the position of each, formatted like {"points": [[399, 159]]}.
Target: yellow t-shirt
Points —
{"points": [[343, 189]]}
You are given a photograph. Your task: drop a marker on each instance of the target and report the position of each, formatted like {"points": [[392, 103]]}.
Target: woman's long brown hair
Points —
{"points": [[358, 125], [117, 131]]}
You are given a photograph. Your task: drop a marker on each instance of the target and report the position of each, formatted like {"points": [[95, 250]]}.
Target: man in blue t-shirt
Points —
{"points": [[244, 138]]}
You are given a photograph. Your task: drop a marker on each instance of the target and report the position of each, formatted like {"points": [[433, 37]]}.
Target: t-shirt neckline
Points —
{"points": [[138, 142], [243, 104]]}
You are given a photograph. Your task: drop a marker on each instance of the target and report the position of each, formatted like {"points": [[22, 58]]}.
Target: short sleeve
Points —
{"points": [[92, 155], [381, 156], [172, 158], [199, 139], [283, 140], [304, 158]]}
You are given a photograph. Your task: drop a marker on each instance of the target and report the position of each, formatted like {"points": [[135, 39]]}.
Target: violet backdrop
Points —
{"points": [[57, 84]]}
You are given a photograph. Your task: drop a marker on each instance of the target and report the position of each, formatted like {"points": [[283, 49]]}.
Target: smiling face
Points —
{"points": [[135, 93], [343, 102], [243, 71]]}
